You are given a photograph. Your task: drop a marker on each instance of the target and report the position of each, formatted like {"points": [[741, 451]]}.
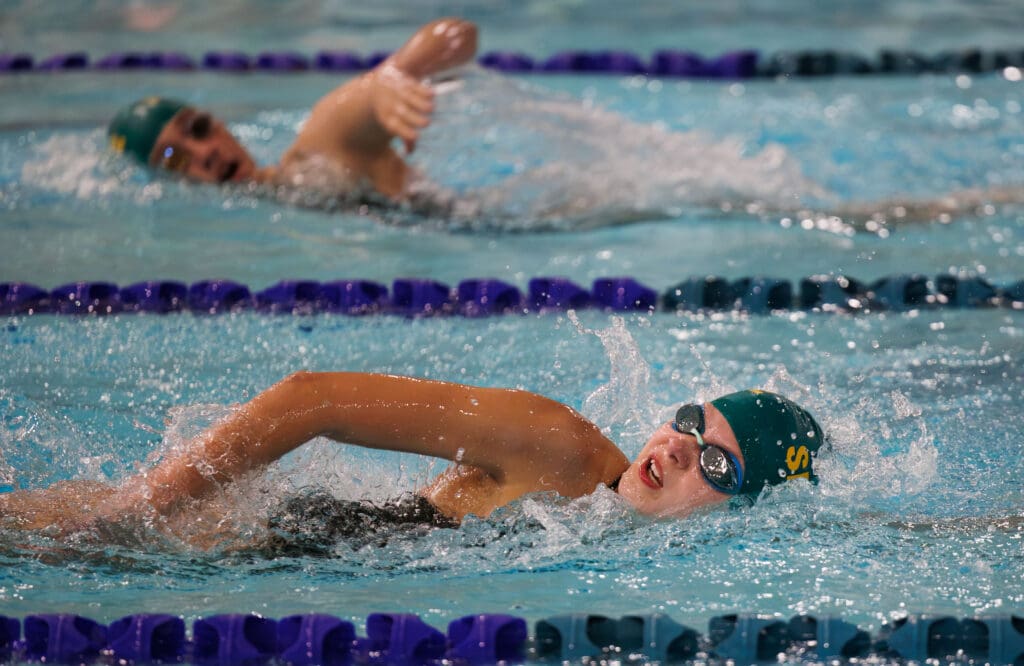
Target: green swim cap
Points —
{"points": [[778, 438], [135, 128]]}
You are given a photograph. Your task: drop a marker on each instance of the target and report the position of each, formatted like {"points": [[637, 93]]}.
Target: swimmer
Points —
{"points": [[345, 153], [349, 131], [504, 444]]}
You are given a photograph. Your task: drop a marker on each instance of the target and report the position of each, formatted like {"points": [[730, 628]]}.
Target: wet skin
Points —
{"points": [[200, 148], [665, 479]]}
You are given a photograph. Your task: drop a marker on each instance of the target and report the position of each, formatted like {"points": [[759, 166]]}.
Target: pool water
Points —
{"points": [[919, 501]]}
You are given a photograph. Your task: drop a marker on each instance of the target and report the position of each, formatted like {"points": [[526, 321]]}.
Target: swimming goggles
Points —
{"points": [[199, 127], [720, 468]]}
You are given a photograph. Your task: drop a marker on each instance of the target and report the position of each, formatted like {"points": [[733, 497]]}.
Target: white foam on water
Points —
{"points": [[521, 157], [79, 166], [880, 449]]}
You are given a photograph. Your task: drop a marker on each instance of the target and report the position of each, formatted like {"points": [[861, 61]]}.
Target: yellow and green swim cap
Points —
{"points": [[134, 130], [779, 438]]}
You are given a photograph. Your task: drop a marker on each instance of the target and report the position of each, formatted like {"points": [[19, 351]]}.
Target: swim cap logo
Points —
{"points": [[798, 458], [117, 142]]}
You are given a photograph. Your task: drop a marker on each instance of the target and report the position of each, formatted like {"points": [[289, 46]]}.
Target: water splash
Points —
{"points": [[80, 166], [626, 403], [518, 157], [881, 449]]}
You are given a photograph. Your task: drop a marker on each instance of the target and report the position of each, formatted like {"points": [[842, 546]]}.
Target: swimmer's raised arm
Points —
{"points": [[524, 442], [354, 124]]}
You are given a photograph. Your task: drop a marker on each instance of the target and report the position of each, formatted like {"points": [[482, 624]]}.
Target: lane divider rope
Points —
{"points": [[395, 638], [415, 297], [738, 64]]}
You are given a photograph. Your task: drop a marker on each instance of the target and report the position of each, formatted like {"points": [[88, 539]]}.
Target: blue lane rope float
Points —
{"points": [[739, 64], [412, 297], [400, 638]]}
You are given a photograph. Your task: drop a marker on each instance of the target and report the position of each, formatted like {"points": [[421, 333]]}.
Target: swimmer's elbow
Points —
{"points": [[313, 379], [554, 423], [438, 46], [300, 377], [467, 41], [301, 389], [466, 33], [300, 381], [454, 27]]}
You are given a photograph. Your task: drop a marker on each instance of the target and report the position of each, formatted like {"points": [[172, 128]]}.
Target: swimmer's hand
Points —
{"points": [[401, 104]]}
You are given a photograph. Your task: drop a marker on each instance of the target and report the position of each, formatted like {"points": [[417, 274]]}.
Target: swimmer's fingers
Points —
{"points": [[405, 124], [414, 114], [419, 96], [403, 105], [412, 117]]}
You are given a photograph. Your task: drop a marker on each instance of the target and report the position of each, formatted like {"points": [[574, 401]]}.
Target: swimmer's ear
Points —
{"points": [[410, 146]]}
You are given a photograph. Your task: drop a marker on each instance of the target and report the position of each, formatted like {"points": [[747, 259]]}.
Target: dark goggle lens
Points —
{"points": [[720, 470], [689, 418], [199, 126]]}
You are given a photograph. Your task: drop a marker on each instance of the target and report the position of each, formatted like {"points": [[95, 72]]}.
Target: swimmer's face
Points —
{"points": [[666, 480], [200, 148]]}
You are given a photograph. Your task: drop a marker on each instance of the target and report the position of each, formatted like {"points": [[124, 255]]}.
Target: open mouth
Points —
{"points": [[229, 171], [650, 473]]}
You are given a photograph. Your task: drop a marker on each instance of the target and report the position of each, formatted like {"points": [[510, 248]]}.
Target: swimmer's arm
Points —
{"points": [[521, 439], [361, 117]]}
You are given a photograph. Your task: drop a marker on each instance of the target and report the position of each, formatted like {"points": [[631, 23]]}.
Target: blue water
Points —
{"points": [[923, 406]]}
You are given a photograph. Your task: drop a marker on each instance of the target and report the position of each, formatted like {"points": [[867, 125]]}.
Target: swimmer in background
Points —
{"points": [[504, 444], [350, 131], [345, 150]]}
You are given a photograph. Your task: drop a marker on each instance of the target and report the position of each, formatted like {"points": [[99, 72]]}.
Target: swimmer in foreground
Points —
{"points": [[504, 444], [349, 131]]}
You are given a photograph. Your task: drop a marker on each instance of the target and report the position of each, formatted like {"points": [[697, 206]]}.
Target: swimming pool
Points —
{"points": [[923, 405]]}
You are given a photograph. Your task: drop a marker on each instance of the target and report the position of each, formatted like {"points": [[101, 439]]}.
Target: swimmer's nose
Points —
{"points": [[211, 160], [682, 452]]}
